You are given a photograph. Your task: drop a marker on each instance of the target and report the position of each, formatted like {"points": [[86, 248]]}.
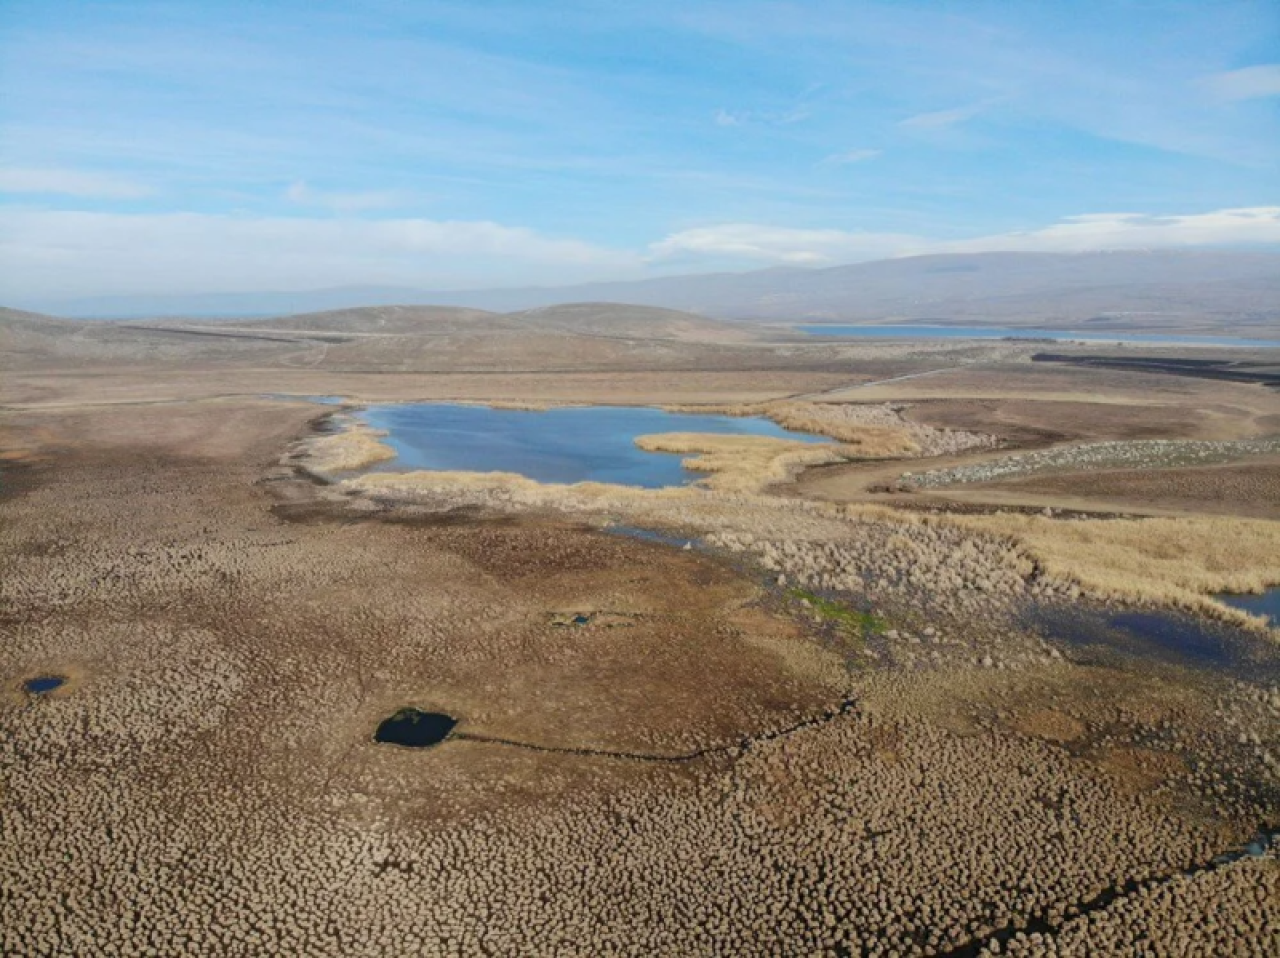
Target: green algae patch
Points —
{"points": [[854, 621]]}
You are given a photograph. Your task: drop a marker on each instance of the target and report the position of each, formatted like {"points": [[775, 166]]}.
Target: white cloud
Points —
{"points": [[1231, 227], [760, 117], [749, 243], [59, 253], [779, 244], [1247, 84], [303, 195], [943, 119], [851, 156], [70, 183]]}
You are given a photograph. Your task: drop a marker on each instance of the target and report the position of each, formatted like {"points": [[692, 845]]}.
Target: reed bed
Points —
{"points": [[1179, 562]]}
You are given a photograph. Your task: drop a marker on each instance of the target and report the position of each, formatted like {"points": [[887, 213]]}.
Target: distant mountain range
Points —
{"points": [[1188, 290]]}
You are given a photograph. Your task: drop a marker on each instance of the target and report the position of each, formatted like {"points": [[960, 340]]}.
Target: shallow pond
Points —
{"points": [[42, 684], [1267, 603], [561, 445], [1168, 637], [413, 728], [1002, 332]]}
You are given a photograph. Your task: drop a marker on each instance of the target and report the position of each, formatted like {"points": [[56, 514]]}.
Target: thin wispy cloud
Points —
{"points": [[760, 117], [945, 119], [301, 194], [78, 183], [1248, 83], [851, 156]]}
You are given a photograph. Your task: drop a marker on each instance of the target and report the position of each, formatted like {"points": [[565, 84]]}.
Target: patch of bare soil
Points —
{"points": [[1242, 489], [1030, 421]]}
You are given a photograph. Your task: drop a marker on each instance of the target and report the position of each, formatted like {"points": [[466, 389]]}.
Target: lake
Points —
{"points": [[1001, 332], [561, 445]]}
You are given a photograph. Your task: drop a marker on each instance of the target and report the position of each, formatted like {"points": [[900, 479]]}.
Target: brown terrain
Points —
{"points": [[830, 729]]}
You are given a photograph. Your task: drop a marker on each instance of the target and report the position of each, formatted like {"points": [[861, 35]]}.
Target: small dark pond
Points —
{"points": [[1169, 637], [42, 684], [1003, 332], [1268, 603], [561, 445], [413, 728]]}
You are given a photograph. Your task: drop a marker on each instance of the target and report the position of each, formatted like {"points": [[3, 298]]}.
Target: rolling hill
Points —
{"points": [[1223, 291]]}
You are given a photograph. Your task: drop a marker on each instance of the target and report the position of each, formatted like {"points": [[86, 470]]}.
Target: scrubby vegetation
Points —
{"points": [[854, 621], [354, 446], [207, 781], [1142, 454], [1172, 561], [743, 463], [872, 430]]}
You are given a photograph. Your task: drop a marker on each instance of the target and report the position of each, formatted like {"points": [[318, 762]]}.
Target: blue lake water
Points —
{"points": [[561, 445], [1268, 603], [1001, 332]]}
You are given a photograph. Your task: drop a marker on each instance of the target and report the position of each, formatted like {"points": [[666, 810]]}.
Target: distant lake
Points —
{"points": [[561, 445], [1002, 332]]}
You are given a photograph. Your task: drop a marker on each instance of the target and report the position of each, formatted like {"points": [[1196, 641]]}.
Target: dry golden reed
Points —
{"points": [[354, 448], [743, 463], [868, 441], [1180, 562]]}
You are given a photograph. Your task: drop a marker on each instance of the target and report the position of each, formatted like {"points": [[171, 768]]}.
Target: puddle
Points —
{"points": [[561, 445], [606, 619], [652, 535], [413, 728], [1163, 636], [42, 684], [1266, 604]]}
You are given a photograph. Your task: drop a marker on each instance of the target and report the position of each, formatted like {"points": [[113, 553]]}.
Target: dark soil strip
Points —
{"points": [[1041, 925], [845, 708], [1240, 372]]}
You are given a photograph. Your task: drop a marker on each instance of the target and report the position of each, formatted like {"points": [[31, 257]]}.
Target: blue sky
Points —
{"points": [[202, 146]]}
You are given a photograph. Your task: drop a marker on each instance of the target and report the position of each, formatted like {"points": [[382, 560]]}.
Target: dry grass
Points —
{"points": [[355, 447], [872, 441], [1180, 562], [277, 645], [743, 463]]}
